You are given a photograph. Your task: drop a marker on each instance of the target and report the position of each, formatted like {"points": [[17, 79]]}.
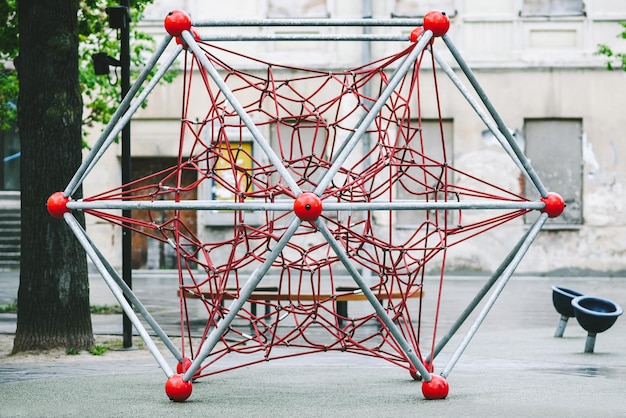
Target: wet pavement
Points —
{"points": [[514, 366]]}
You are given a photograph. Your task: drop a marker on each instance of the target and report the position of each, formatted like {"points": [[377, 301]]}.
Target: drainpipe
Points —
{"points": [[366, 58]]}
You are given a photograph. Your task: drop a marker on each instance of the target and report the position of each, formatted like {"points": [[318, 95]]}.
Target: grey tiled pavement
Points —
{"points": [[513, 367]]}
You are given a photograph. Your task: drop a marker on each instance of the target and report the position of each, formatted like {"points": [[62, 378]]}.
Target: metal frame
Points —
{"points": [[490, 117]]}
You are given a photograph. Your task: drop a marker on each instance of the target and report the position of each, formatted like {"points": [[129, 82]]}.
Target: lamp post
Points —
{"points": [[127, 328], [119, 18]]}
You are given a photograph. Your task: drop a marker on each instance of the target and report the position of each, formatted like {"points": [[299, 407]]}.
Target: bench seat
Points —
{"points": [[342, 296]]}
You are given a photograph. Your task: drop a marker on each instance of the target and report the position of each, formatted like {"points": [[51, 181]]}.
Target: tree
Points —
{"points": [[620, 57], [53, 296]]}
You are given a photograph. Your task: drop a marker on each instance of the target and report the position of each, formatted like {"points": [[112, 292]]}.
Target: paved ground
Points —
{"points": [[513, 367]]}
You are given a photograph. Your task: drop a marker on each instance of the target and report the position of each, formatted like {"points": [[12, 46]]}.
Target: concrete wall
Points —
{"points": [[530, 67]]}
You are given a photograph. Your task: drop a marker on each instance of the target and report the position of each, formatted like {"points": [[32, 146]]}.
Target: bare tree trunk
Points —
{"points": [[53, 296]]}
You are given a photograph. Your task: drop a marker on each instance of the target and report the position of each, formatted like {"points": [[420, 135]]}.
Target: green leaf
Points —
{"points": [[101, 94]]}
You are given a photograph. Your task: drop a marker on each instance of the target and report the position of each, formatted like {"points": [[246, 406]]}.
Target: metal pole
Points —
{"points": [[308, 22], [526, 242], [117, 292], [493, 128], [245, 292], [361, 129], [134, 300], [245, 118], [286, 205], [378, 307], [305, 37], [107, 135], [127, 328], [477, 299], [496, 117]]}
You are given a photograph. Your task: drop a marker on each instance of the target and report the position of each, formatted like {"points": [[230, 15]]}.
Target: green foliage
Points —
{"points": [[106, 309], [101, 94], [10, 308], [8, 50], [71, 351], [8, 29], [614, 57], [98, 350]]}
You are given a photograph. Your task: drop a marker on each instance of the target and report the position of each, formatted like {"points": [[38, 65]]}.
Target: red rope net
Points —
{"points": [[308, 115]]}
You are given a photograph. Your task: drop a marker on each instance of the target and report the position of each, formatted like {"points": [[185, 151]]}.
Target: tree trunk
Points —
{"points": [[53, 296]]}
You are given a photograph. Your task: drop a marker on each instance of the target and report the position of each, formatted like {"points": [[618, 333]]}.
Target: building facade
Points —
{"points": [[536, 60]]}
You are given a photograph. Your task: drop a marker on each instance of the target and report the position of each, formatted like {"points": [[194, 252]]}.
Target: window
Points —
{"points": [[554, 147], [279, 9], [232, 166], [552, 8]]}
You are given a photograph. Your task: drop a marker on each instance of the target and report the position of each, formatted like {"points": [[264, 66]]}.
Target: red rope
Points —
{"points": [[309, 114]]}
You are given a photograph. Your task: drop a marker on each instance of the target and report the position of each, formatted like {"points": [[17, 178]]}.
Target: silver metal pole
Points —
{"points": [[364, 114], [256, 134], [493, 128], [306, 37], [245, 292], [496, 117], [307, 22], [560, 327], [95, 155], [380, 311], [367, 92], [590, 342], [528, 240], [136, 303], [371, 114], [477, 299], [117, 293], [134, 107], [287, 205]]}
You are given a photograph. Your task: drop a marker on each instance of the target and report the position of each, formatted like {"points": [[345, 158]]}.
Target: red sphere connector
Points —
{"points": [[416, 33], [57, 204], [181, 41], [430, 368], [177, 389], [437, 22], [176, 22], [182, 367], [554, 205], [308, 206], [437, 388]]}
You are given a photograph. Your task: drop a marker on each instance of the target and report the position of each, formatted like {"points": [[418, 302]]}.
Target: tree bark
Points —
{"points": [[53, 295]]}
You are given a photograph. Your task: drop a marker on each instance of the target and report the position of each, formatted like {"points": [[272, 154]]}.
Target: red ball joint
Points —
{"points": [[416, 33], [196, 36], [437, 388], [308, 206], [176, 22], [177, 389], [554, 205], [57, 204], [182, 367], [437, 22]]}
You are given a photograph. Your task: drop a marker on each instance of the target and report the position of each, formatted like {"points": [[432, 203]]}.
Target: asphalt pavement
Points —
{"points": [[514, 366]]}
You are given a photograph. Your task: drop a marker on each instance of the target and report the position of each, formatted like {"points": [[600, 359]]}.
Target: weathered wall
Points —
{"points": [[530, 68]]}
